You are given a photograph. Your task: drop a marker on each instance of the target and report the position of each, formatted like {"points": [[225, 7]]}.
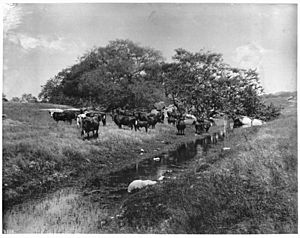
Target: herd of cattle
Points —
{"points": [[89, 120]]}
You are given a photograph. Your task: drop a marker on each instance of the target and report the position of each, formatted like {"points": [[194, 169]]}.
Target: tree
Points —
{"points": [[28, 98], [15, 99], [203, 83], [111, 76]]}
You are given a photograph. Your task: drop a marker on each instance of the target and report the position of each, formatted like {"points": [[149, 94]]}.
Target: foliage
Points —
{"points": [[15, 99], [124, 74], [120, 74], [203, 83], [25, 98], [28, 98]]}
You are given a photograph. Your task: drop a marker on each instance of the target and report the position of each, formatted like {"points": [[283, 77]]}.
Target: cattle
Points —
{"points": [[158, 114], [171, 120], [202, 125], [142, 116], [138, 184], [160, 117], [64, 116], [152, 121], [124, 112], [245, 121], [93, 113], [103, 119], [90, 124], [180, 125], [124, 120], [139, 124], [79, 119], [173, 116]]}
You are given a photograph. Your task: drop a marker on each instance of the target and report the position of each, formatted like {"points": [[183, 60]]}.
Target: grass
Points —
{"points": [[250, 189], [41, 156]]}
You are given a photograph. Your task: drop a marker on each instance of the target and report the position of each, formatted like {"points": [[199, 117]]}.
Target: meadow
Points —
{"points": [[251, 188], [41, 156]]}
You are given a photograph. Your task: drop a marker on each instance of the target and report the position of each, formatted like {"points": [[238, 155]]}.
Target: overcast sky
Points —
{"points": [[42, 39]]}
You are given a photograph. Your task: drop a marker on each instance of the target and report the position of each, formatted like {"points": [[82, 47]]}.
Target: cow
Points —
{"points": [[174, 114], [139, 124], [124, 112], [102, 115], [152, 120], [180, 125], [171, 120], [79, 119], [90, 124], [64, 116], [138, 184], [103, 118], [158, 114], [202, 125], [142, 116], [245, 121], [124, 120], [160, 117]]}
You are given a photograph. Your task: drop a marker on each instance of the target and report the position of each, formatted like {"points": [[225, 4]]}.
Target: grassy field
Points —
{"points": [[40, 156], [251, 188]]}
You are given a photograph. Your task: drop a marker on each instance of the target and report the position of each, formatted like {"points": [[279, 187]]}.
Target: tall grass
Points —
{"points": [[40, 155], [250, 189]]}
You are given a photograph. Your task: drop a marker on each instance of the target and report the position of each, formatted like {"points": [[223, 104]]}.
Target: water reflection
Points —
{"points": [[154, 169]]}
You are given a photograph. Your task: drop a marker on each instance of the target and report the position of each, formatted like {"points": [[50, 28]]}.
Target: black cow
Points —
{"points": [[180, 125], [124, 112], [90, 124], [152, 120], [103, 118], [176, 115], [202, 125], [142, 116], [101, 115], [124, 120], [171, 120], [64, 116], [139, 124], [161, 117]]}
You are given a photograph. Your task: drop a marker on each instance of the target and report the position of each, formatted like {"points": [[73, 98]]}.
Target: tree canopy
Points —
{"points": [[120, 74], [125, 74], [201, 82]]}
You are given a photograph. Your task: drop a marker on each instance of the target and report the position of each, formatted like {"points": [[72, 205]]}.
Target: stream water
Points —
{"points": [[68, 211]]}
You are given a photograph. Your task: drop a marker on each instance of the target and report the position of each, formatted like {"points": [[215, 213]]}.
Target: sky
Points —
{"points": [[39, 39]]}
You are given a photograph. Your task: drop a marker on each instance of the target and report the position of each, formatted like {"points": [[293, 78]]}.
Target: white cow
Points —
{"points": [[79, 119], [138, 184], [248, 122], [257, 122]]}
